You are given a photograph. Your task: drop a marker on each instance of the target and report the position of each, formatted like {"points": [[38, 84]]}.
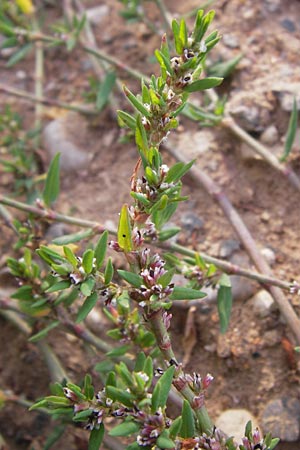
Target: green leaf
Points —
{"points": [[125, 119], [119, 351], [23, 293], [183, 293], [87, 260], [109, 271], [105, 89], [291, 132], [177, 171], [96, 438], [164, 61], [140, 362], [82, 416], [73, 237], [176, 32], [175, 426], [124, 230], [162, 389], [59, 286], [273, 444], [183, 36], [168, 233], [136, 103], [187, 429], [248, 430], [70, 256], [87, 306], [51, 189], [88, 388], [19, 54], [224, 69], [100, 249], [166, 278], [164, 441], [120, 395], [224, 299], [141, 135], [201, 25], [131, 278], [43, 333], [87, 287], [125, 429], [205, 83]]}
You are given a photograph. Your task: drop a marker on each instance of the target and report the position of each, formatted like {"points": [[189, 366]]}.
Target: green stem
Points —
{"points": [[164, 13], [39, 76], [163, 341]]}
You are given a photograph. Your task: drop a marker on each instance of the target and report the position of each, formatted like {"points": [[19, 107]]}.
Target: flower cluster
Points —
{"points": [[152, 289], [153, 425]]}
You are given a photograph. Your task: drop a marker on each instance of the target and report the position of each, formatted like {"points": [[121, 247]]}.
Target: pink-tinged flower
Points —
{"points": [[198, 401], [115, 246], [167, 319], [207, 381]]}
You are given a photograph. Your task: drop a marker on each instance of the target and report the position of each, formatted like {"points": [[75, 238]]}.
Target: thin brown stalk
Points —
{"points": [[246, 238], [46, 101], [38, 81], [227, 267], [229, 123]]}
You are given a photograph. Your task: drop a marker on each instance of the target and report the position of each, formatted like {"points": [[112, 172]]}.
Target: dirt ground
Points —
{"points": [[251, 363]]}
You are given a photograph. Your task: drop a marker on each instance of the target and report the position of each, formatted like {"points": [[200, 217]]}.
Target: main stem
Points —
{"points": [[155, 319]]}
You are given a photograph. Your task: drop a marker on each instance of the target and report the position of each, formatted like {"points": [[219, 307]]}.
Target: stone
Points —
{"points": [[263, 303], [61, 136], [281, 417], [228, 247], [269, 255], [191, 222], [233, 422], [270, 135], [193, 144], [230, 41], [97, 14], [286, 92], [288, 24]]}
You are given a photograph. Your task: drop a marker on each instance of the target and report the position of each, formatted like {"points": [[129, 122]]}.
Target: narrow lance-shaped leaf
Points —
{"points": [[183, 293], [136, 102], [162, 389], [205, 83], [96, 438], [73, 237], [105, 90], [86, 308], [109, 271], [291, 132], [125, 429], [43, 333], [187, 429], [124, 230], [100, 249], [87, 260], [131, 278], [51, 189], [224, 300]]}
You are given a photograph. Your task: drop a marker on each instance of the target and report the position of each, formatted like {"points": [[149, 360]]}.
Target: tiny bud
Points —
{"points": [[207, 381]]}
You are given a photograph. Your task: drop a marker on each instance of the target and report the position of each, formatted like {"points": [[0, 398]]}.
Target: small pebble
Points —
{"points": [[265, 216], [230, 41], [269, 255], [270, 135], [281, 417], [21, 75], [233, 422], [191, 222], [228, 247], [97, 14], [288, 24], [263, 303]]}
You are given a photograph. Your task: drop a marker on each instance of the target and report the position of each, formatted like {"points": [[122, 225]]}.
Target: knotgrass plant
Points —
{"points": [[136, 300]]}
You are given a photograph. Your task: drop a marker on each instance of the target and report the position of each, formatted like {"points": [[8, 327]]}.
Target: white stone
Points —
{"points": [[233, 422], [263, 303], [96, 15], [58, 138]]}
